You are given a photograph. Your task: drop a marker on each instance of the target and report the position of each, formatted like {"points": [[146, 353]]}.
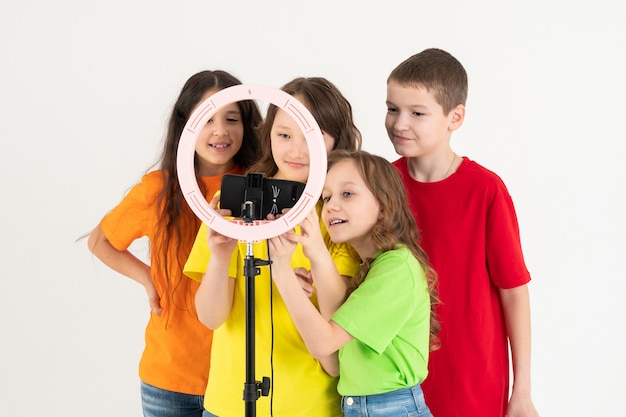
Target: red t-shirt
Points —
{"points": [[178, 347], [469, 230]]}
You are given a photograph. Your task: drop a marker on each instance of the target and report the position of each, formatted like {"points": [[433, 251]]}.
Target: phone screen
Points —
{"points": [[276, 195]]}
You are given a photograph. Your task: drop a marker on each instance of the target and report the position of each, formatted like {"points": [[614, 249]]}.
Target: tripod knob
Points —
{"points": [[264, 386]]}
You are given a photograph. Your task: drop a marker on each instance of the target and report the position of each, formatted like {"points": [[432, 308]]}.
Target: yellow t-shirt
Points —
{"points": [[300, 387]]}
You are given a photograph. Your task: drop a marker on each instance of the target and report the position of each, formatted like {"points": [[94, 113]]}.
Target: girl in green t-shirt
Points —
{"points": [[380, 337]]}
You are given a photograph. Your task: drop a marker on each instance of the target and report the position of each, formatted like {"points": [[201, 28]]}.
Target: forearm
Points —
{"points": [[321, 337], [330, 364], [215, 294], [516, 307], [330, 286], [122, 262]]}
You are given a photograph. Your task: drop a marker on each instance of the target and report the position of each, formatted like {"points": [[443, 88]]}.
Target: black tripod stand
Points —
{"points": [[252, 388]]}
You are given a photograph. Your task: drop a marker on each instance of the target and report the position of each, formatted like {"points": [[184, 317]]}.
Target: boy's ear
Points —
{"points": [[457, 115]]}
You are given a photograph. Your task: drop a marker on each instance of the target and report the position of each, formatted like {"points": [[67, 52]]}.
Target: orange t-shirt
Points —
{"points": [[178, 347]]}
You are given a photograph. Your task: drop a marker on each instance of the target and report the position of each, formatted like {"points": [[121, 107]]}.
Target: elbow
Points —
{"points": [[323, 345], [208, 318], [95, 237], [91, 242], [320, 351], [332, 372], [210, 323], [330, 364]]}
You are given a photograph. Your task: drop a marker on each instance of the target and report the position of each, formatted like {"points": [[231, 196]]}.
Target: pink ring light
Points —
{"points": [[257, 230]]}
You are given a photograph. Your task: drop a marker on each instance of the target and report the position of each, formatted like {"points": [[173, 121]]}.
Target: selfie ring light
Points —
{"points": [[259, 229]]}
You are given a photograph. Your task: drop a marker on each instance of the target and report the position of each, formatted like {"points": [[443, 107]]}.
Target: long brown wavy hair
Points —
{"points": [[331, 110], [177, 218], [397, 224]]}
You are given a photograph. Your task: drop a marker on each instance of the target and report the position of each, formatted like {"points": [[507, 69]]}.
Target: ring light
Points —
{"points": [[262, 229]]}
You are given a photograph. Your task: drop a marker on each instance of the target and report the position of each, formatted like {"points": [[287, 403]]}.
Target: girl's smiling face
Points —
{"points": [[350, 209], [219, 140], [290, 149]]}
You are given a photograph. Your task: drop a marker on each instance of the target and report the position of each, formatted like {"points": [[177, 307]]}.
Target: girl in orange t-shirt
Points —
{"points": [[174, 366]]}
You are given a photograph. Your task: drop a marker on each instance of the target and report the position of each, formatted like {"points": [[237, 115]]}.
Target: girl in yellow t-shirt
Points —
{"points": [[299, 384], [176, 359]]}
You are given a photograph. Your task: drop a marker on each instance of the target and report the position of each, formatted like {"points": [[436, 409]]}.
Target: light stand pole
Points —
{"points": [[252, 388]]}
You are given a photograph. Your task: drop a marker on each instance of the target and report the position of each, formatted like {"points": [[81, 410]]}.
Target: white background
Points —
{"points": [[85, 91]]}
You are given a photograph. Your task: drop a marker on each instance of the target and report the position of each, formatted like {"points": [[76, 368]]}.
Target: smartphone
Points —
{"points": [[270, 195]]}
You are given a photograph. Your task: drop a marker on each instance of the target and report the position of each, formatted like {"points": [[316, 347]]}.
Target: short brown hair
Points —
{"points": [[438, 72]]}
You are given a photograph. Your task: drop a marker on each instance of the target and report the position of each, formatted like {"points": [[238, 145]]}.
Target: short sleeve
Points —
{"points": [[505, 258], [198, 259], [384, 302], [129, 220]]}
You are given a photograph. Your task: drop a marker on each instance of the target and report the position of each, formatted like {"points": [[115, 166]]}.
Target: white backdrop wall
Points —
{"points": [[85, 91]]}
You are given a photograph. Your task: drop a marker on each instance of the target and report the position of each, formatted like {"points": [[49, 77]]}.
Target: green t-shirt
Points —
{"points": [[389, 317]]}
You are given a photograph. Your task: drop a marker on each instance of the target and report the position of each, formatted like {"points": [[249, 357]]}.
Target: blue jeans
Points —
{"points": [[400, 403], [157, 402], [207, 414]]}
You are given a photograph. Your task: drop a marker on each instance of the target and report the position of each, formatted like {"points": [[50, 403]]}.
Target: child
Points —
{"points": [[384, 328], [175, 363], [300, 387], [470, 232]]}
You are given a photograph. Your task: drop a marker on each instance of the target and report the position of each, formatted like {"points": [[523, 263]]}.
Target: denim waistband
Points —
{"points": [[413, 391], [409, 398]]}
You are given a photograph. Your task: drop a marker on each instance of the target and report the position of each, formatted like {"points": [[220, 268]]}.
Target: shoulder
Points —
{"points": [[396, 268], [146, 189], [395, 259], [473, 168], [151, 185], [153, 179], [399, 253], [401, 164], [474, 174]]}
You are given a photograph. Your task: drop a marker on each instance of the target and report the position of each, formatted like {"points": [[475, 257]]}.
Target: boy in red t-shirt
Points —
{"points": [[470, 232]]}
